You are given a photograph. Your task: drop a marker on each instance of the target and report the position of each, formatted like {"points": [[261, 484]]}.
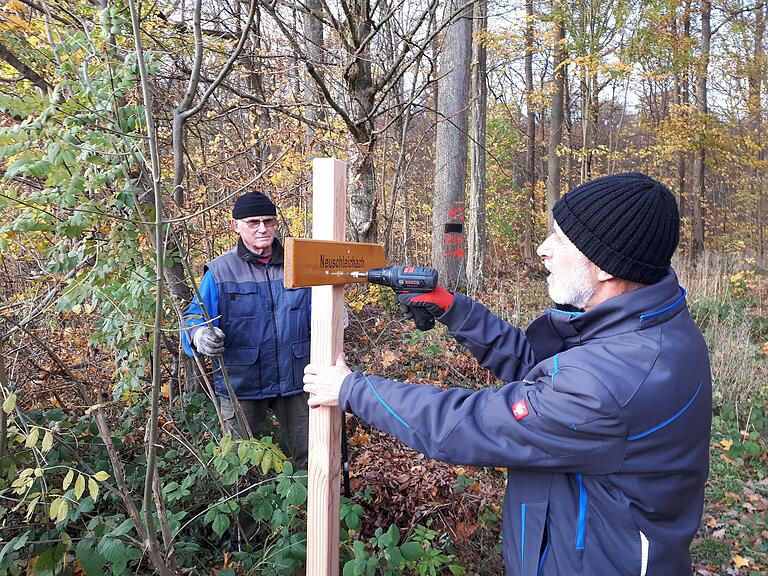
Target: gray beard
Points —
{"points": [[576, 290]]}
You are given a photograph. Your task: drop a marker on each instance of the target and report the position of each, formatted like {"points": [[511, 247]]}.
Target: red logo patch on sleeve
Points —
{"points": [[520, 409]]}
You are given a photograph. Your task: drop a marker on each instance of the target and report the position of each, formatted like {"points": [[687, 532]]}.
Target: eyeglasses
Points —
{"points": [[255, 223]]}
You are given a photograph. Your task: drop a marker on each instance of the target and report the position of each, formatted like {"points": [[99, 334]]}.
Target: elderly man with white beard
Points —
{"points": [[603, 424]]}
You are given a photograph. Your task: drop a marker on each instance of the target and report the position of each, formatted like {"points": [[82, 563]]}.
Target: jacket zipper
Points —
{"points": [[274, 329], [582, 513]]}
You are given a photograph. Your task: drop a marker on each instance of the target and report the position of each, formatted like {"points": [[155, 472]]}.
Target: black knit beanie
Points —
{"points": [[253, 204], [627, 224]]}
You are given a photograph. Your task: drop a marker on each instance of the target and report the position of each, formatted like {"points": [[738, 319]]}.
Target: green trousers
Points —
{"points": [[292, 413]]}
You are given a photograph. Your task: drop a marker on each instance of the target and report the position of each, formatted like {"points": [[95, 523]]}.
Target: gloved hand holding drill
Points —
{"points": [[436, 302], [209, 340], [419, 294]]}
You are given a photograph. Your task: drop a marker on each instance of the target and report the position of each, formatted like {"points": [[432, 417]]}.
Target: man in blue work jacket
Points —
{"points": [[258, 329], [604, 423]]}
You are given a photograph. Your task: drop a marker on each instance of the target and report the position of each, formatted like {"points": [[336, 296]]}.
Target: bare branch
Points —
{"points": [[313, 72], [25, 70], [184, 110], [56, 17]]}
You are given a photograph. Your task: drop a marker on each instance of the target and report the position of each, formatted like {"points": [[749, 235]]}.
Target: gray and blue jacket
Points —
{"points": [[603, 427], [266, 325]]}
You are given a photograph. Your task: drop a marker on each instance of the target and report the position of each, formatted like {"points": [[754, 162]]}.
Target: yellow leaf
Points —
{"points": [[31, 508], [62, 511], [53, 511], [740, 561], [101, 475], [12, 23], [15, 6], [765, 347], [93, 489], [79, 486], [266, 462], [10, 402], [47, 441], [726, 444], [68, 479], [32, 438], [165, 390]]}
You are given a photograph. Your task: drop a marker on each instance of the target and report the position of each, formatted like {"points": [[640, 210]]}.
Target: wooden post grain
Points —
{"points": [[329, 192]]}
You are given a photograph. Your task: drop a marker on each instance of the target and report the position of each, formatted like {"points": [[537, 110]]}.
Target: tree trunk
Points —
{"points": [[755, 113], [362, 191], [569, 131], [594, 119], [451, 151], [314, 40], [586, 86], [556, 111], [360, 170], [697, 232], [261, 118], [476, 231], [682, 89], [530, 149], [25, 71]]}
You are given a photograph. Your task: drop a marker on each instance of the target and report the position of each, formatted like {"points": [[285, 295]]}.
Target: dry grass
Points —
{"points": [[738, 368], [708, 277], [726, 297]]}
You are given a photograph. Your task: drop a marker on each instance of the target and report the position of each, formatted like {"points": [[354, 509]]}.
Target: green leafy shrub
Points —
{"points": [[61, 504]]}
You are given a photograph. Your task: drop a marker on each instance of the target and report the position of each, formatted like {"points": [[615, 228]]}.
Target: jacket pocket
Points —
{"points": [[245, 302], [298, 298], [622, 549], [533, 522], [244, 371], [300, 360], [241, 356]]}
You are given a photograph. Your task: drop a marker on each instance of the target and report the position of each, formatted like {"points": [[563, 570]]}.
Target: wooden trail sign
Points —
{"points": [[320, 262], [325, 263]]}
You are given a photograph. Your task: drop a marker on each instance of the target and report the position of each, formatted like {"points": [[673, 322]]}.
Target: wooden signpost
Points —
{"points": [[325, 263]]}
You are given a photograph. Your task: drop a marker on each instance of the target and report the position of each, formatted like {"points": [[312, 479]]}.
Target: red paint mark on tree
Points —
{"points": [[456, 212], [453, 239]]}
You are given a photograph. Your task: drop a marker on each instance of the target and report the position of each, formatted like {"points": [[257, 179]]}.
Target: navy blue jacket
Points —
{"points": [[266, 326], [603, 427]]}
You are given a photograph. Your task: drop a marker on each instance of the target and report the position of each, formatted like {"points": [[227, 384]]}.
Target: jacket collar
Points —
{"points": [[558, 330], [278, 255]]}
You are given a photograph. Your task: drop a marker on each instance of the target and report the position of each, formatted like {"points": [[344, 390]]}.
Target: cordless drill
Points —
{"points": [[404, 279]]}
